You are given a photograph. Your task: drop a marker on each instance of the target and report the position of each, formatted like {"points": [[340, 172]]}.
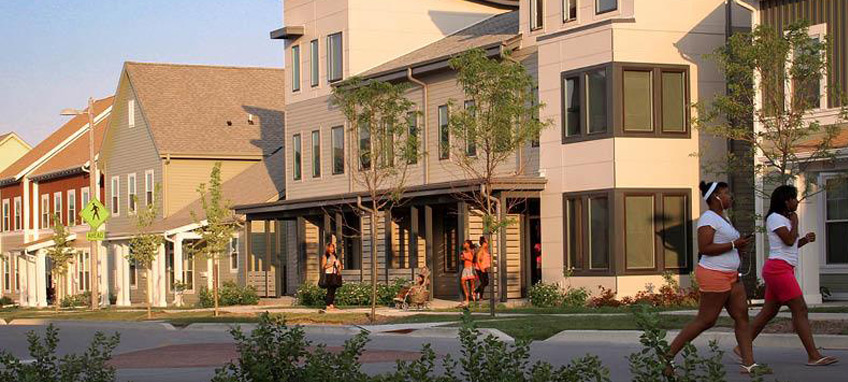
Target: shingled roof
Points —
{"points": [[55, 139], [199, 109], [75, 156], [491, 31]]}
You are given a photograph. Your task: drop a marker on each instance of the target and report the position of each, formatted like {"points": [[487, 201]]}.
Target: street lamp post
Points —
{"points": [[92, 195]]}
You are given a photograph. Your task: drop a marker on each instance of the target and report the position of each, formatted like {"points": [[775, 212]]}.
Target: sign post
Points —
{"points": [[95, 214]]}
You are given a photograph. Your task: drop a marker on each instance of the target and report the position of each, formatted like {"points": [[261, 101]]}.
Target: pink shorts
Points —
{"points": [[781, 285], [713, 281]]}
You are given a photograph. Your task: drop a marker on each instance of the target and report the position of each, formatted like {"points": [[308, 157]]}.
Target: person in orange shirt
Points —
{"points": [[468, 277], [482, 266]]}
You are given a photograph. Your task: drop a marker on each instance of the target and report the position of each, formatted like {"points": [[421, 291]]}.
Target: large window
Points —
{"points": [[115, 193], [569, 10], [85, 197], [836, 222], [412, 134], [234, 254], [807, 92], [571, 111], [83, 271], [295, 68], [674, 102], [573, 234], [639, 227], [72, 208], [335, 58], [654, 100], [45, 211], [599, 222], [387, 139], [132, 194], [606, 5], [316, 154], [6, 264], [638, 104], [364, 146], [18, 213], [313, 63], [444, 133], [188, 271], [537, 14], [297, 161], [596, 97], [470, 138], [338, 150], [57, 206]]}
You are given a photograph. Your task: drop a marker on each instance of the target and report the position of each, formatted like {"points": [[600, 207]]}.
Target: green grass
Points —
{"points": [[566, 309], [829, 309]]}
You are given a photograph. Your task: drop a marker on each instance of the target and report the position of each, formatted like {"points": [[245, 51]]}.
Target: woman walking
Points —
{"points": [[482, 265], [719, 244], [468, 277], [779, 272], [332, 274]]}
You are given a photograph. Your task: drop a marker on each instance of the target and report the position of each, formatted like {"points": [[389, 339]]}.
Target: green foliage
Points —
{"points": [[216, 234], [544, 295], [350, 294], [229, 294], [61, 253], [90, 366], [309, 294], [77, 300], [670, 294], [145, 244], [6, 300]]}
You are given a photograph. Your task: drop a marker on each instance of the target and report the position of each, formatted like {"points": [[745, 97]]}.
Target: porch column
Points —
{"points": [[26, 288], [36, 212], [159, 285], [502, 274], [178, 257], [103, 274], [809, 263], [209, 266], [413, 238], [428, 246], [40, 279], [125, 266], [119, 275]]}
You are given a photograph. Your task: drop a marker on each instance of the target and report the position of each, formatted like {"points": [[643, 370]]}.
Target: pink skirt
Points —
{"points": [[781, 285]]}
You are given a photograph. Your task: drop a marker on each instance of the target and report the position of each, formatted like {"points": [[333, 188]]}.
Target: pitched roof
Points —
{"points": [[263, 181], [76, 154], [493, 30], [56, 138], [15, 135], [187, 107]]}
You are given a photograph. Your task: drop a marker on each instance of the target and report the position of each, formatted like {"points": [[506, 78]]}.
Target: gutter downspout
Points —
{"points": [[426, 107]]}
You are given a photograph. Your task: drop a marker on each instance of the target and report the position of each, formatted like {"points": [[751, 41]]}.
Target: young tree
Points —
{"points": [[144, 245], [498, 120], [60, 255], [217, 227], [377, 113], [787, 71]]}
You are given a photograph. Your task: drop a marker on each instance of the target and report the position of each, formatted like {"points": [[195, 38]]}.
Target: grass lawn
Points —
{"points": [[566, 309], [829, 309]]}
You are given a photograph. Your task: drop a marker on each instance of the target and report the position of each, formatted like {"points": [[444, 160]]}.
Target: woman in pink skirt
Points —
{"points": [[779, 272]]}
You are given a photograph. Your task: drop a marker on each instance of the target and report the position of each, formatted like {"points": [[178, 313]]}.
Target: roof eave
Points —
{"points": [[288, 33]]}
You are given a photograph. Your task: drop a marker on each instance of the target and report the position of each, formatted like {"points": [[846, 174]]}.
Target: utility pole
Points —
{"points": [[93, 192]]}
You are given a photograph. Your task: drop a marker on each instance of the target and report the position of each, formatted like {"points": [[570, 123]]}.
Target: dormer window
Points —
{"points": [[537, 14]]}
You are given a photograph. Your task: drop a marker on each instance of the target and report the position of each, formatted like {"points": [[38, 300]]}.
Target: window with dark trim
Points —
{"points": [[537, 14], [387, 148], [587, 222], [338, 149], [365, 146], [297, 161], [296, 68], [335, 59], [313, 63], [316, 153], [444, 133], [534, 93], [412, 134], [569, 10], [603, 6], [597, 118], [470, 139]]}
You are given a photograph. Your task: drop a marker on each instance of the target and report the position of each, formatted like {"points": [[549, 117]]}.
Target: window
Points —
{"points": [[234, 254], [412, 135], [114, 192], [131, 113], [675, 231], [334, 57], [387, 139], [444, 133], [674, 102], [72, 208], [470, 138], [596, 99], [569, 10], [132, 194], [57, 207], [7, 222], [639, 232], [573, 234], [537, 14], [295, 68], [148, 187], [638, 107], [188, 271], [571, 115], [6, 263], [807, 92], [599, 232], [133, 274], [298, 160], [606, 5], [313, 63], [85, 196], [534, 102], [316, 154], [83, 271], [365, 146], [836, 222], [45, 211], [338, 150], [18, 213]]}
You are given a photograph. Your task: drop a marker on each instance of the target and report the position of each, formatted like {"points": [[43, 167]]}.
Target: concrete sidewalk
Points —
{"points": [[726, 337]]}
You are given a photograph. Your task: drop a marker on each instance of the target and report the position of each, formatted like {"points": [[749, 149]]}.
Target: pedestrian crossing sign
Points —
{"points": [[95, 214]]}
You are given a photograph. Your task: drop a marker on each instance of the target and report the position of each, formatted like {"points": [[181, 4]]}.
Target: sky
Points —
{"points": [[57, 53]]}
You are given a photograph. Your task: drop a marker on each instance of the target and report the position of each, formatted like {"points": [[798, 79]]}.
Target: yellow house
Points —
{"points": [[12, 147]]}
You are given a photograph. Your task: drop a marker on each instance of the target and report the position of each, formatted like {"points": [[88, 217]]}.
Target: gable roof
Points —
{"points": [[187, 107], [494, 30], [13, 135], [75, 156], [264, 181], [54, 140]]}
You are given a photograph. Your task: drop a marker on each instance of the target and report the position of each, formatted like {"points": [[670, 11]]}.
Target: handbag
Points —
{"points": [[330, 280]]}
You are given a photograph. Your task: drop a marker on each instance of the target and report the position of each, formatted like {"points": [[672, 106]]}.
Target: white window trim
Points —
{"points": [[17, 214], [149, 186], [132, 190], [238, 251], [131, 113], [533, 7], [7, 209], [824, 267], [190, 260], [816, 31], [45, 211], [115, 192], [297, 82], [83, 192], [71, 195], [315, 65], [6, 263], [58, 209], [565, 18], [312, 154]]}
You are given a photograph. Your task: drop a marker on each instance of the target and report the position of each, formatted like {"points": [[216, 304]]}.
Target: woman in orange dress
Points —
{"points": [[468, 277]]}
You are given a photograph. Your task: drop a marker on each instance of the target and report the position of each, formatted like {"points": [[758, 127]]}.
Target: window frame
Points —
{"points": [[85, 197], [297, 157], [83, 268], [598, 10], [316, 153], [115, 195], [132, 190], [72, 212], [314, 63], [149, 186], [659, 194], [446, 145], [235, 250], [824, 266], [6, 262], [58, 207], [45, 211], [819, 32], [17, 214], [331, 57], [413, 129], [470, 147], [333, 131], [537, 9], [566, 11], [7, 215], [296, 69]]}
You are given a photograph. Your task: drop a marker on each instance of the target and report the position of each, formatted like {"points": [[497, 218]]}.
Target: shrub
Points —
{"points": [[205, 298], [386, 293], [309, 294], [351, 293], [605, 298], [90, 366], [544, 295], [575, 297], [6, 300], [76, 300], [229, 294]]}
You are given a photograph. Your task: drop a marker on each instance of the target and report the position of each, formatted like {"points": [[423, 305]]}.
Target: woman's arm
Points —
{"points": [[707, 247], [789, 236], [809, 238]]}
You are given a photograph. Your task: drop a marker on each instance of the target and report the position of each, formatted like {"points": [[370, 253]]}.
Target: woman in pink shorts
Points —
{"points": [[779, 272]]}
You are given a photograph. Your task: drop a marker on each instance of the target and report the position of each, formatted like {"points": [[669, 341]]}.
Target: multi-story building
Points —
{"points": [[171, 124], [12, 148], [49, 182], [609, 193]]}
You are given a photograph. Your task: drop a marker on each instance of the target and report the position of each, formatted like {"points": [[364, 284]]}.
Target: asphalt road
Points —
{"points": [[141, 351]]}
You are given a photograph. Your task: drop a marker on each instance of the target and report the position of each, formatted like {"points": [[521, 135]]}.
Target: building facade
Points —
{"points": [[12, 148]]}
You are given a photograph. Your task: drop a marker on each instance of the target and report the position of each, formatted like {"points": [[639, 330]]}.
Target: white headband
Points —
{"points": [[710, 191]]}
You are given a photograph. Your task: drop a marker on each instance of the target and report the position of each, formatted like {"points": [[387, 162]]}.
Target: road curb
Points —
{"points": [[449, 333], [92, 324], [2, 322], [781, 340], [245, 327]]}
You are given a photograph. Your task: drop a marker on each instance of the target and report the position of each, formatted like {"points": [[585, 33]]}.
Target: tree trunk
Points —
{"points": [[373, 263], [487, 233], [149, 293], [215, 283], [56, 285]]}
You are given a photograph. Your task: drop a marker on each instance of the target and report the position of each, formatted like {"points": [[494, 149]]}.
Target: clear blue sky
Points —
{"points": [[57, 53]]}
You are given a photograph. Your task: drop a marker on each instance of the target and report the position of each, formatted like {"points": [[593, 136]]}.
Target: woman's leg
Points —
{"points": [[708, 311], [330, 299], [801, 323], [769, 311], [465, 289], [737, 307]]}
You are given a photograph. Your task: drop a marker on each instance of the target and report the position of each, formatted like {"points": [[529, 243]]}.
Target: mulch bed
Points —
{"points": [[818, 326]]}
